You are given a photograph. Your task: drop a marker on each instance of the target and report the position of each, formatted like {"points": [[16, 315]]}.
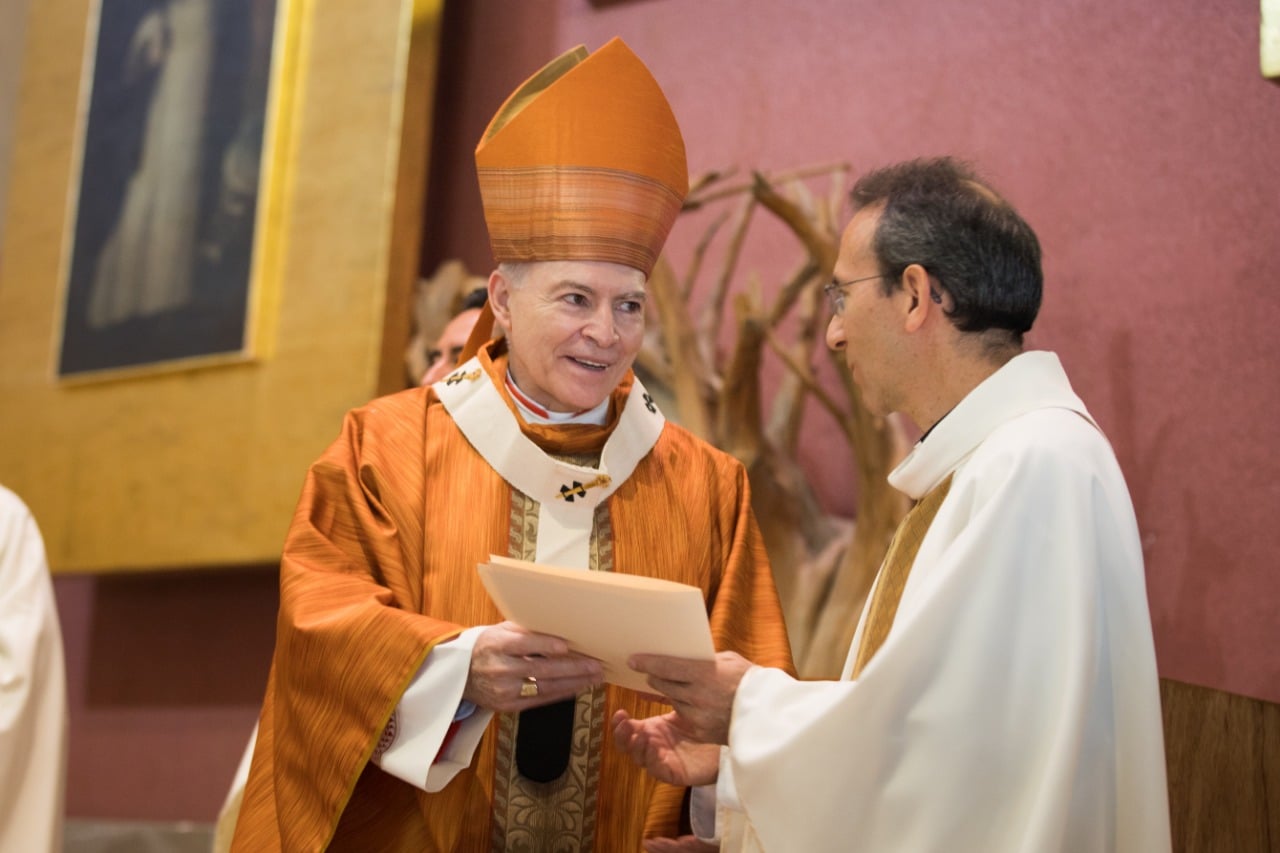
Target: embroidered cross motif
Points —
{"points": [[648, 403], [579, 490], [462, 376]]}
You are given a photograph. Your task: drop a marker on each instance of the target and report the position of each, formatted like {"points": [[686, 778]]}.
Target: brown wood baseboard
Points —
{"points": [[1223, 756]]}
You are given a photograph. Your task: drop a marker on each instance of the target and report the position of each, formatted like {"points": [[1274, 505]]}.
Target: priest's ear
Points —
{"points": [[927, 298], [923, 298]]}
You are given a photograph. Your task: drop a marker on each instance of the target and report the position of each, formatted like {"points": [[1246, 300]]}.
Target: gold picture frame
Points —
{"points": [[178, 465]]}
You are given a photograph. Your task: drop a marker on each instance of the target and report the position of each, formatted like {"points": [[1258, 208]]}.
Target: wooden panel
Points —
{"points": [[1223, 753], [421, 66]]}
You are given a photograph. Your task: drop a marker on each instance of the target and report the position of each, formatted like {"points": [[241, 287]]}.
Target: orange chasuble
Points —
{"points": [[379, 566]]}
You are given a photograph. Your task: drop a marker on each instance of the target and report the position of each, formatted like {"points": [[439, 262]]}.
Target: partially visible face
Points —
{"points": [[864, 329], [443, 357], [573, 329]]}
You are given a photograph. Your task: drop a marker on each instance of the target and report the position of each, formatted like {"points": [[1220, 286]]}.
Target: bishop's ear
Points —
{"points": [[500, 298]]}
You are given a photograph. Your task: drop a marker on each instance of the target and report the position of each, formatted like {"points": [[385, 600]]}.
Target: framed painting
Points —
{"points": [[167, 189], [164, 468]]}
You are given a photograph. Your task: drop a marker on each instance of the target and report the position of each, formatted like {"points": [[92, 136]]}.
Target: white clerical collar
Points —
{"points": [[567, 494], [533, 413], [1030, 381]]}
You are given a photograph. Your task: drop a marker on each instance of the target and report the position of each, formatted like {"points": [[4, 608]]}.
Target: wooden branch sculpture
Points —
{"points": [[435, 301], [823, 565]]}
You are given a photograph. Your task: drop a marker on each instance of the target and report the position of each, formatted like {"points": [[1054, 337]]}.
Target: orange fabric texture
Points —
{"points": [[379, 565], [585, 161]]}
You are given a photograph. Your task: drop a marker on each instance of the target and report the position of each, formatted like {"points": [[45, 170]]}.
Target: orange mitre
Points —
{"points": [[584, 161]]}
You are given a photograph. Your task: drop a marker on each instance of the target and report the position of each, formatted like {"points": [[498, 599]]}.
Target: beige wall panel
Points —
{"points": [[13, 29], [203, 466]]}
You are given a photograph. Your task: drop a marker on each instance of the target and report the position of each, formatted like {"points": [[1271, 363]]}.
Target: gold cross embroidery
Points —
{"points": [[462, 376], [576, 489]]}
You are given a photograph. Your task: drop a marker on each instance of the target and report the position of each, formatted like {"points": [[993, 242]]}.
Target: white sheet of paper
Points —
{"points": [[602, 614]]}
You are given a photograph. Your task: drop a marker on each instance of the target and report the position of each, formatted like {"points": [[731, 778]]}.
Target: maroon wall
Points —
{"points": [[165, 675], [1137, 138]]}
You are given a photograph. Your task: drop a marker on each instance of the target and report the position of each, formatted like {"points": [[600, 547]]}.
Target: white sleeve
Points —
{"points": [[702, 811], [411, 743], [726, 790]]}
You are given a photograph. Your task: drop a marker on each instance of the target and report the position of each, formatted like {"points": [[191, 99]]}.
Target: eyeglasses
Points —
{"points": [[835, 291]]}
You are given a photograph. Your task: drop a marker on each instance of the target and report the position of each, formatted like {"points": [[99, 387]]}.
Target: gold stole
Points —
{"points": [[894, 572], [559, 814]]}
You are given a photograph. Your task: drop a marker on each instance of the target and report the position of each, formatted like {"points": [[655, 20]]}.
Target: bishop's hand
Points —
{"points": [[513, 669]]}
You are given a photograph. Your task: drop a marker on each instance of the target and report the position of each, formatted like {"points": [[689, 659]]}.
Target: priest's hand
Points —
{"points": [[701, 691], [513, 669], [665, 751]]}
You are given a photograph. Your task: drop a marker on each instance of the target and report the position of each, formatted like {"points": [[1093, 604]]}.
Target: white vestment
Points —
{"points": [[33, 689], [1014, 705]]}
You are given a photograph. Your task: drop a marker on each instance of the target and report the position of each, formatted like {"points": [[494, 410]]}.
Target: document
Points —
{"points": [[605, 615]]}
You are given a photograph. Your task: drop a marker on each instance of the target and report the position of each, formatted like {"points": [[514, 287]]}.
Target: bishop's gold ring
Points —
{"points": [[530, 687]]}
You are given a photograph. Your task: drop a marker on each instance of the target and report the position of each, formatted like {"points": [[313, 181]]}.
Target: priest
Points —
{"points": [[401, 712], [1000, 693]]}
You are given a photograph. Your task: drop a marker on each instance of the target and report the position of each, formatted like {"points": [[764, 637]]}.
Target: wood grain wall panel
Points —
{"points": [[1223, 753]]}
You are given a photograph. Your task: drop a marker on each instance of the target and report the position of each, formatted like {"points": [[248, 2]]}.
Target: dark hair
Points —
{"points": [[475, 299], [939, 214]]}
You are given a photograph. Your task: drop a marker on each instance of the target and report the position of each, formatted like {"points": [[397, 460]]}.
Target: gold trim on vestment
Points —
{"points": [[894, 571], [559, 815]]}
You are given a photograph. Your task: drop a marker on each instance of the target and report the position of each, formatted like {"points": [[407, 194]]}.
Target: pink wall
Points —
{"points": [[1138, 139]]}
